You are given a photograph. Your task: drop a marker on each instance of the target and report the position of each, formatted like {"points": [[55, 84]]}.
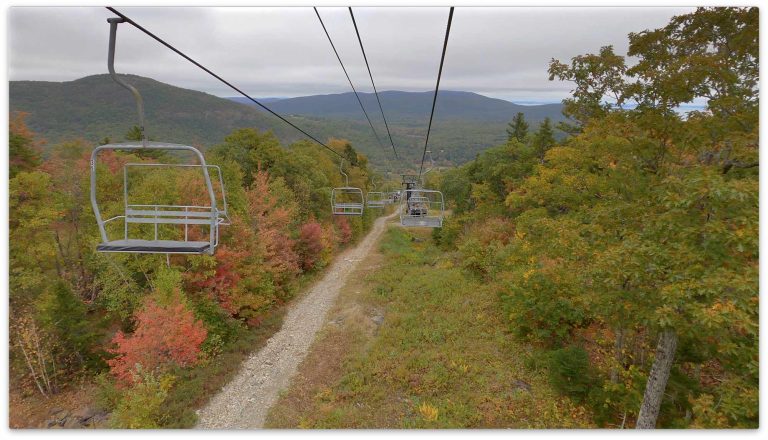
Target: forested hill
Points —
{"points": [[414, 107], [94, 108], [465, 123]]}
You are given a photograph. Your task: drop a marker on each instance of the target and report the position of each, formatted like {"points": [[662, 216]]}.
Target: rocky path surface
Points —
{"points": [[245, 401]]}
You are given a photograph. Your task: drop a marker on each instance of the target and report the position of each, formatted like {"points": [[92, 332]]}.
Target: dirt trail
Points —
{"points": [[245, 401]]}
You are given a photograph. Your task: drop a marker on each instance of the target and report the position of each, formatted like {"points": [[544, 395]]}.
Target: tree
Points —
{"points": [[36, 351], [134, 134], [310, 245], [518, 128], [32, 256], [645, 223], [165, 335], [270, 217], [657, 380], [67, 165], [24, 151], [544, 139], [599, 86], [65, 317], [252, 150], [351, 155], [711, 53]]}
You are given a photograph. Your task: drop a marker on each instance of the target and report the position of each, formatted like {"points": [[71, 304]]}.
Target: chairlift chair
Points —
{"points": [[156, 214], [347, 200], [184, 216], [375, 199], [422, 208]]}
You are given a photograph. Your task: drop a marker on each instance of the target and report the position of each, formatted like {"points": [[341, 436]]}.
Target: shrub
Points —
{"points": [[164, 336], [140, 406], [343, 230], [543, 307], [310, 245], [222, 328], [223, 280], [570, 373]]}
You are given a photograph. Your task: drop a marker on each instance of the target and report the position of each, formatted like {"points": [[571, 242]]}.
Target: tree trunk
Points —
{"points": [[657, 380], [618, 353]]}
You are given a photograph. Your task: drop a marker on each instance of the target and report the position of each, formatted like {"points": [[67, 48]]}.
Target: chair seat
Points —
{"points": [[426, 222], [155, 246]]}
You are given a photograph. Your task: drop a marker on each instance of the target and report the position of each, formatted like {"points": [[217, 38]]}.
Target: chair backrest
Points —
{"points": [[347, 200], [375, 199], [219, 209], [169, 214]]}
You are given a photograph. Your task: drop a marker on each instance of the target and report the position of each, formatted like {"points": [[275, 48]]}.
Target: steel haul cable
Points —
{"points": [[348, 78], [372, 83], [208, 71], [437, 87]]}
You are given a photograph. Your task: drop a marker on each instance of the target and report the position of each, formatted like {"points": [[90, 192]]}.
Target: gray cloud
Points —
{"points": [[500, 52]]}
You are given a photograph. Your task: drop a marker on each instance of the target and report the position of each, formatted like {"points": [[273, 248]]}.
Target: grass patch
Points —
{"points": [[441, 357]]}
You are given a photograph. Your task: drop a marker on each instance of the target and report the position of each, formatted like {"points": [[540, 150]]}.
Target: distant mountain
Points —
{"points": [[244, 100], [465, 123], [412, 107], [94, 107]]}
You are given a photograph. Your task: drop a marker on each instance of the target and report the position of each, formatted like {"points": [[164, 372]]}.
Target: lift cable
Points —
{"points": [[372, 83], [183, 55], [437, 87], [348, 78]]}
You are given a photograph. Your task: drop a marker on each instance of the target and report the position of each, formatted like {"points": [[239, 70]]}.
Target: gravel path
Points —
{"points": [[245, 401]]}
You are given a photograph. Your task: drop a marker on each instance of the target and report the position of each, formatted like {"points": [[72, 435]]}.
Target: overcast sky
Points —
{"points": [[498, 52]]}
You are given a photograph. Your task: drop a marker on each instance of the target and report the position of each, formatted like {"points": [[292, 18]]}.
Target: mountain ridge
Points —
{"points": [[400, 105], [94, 108]]}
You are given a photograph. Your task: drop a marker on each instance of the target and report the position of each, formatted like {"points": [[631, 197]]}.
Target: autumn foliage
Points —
{"points": [[165, 335], [270, 220], [24, 147], [224, 280], [344, 230], [65, 297], [310, 245]]}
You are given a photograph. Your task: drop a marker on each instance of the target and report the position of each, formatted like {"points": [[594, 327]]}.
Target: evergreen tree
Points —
{"points": [[66, 318], [518, 128], [134, 134], [351, 155], [544, 139]]}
